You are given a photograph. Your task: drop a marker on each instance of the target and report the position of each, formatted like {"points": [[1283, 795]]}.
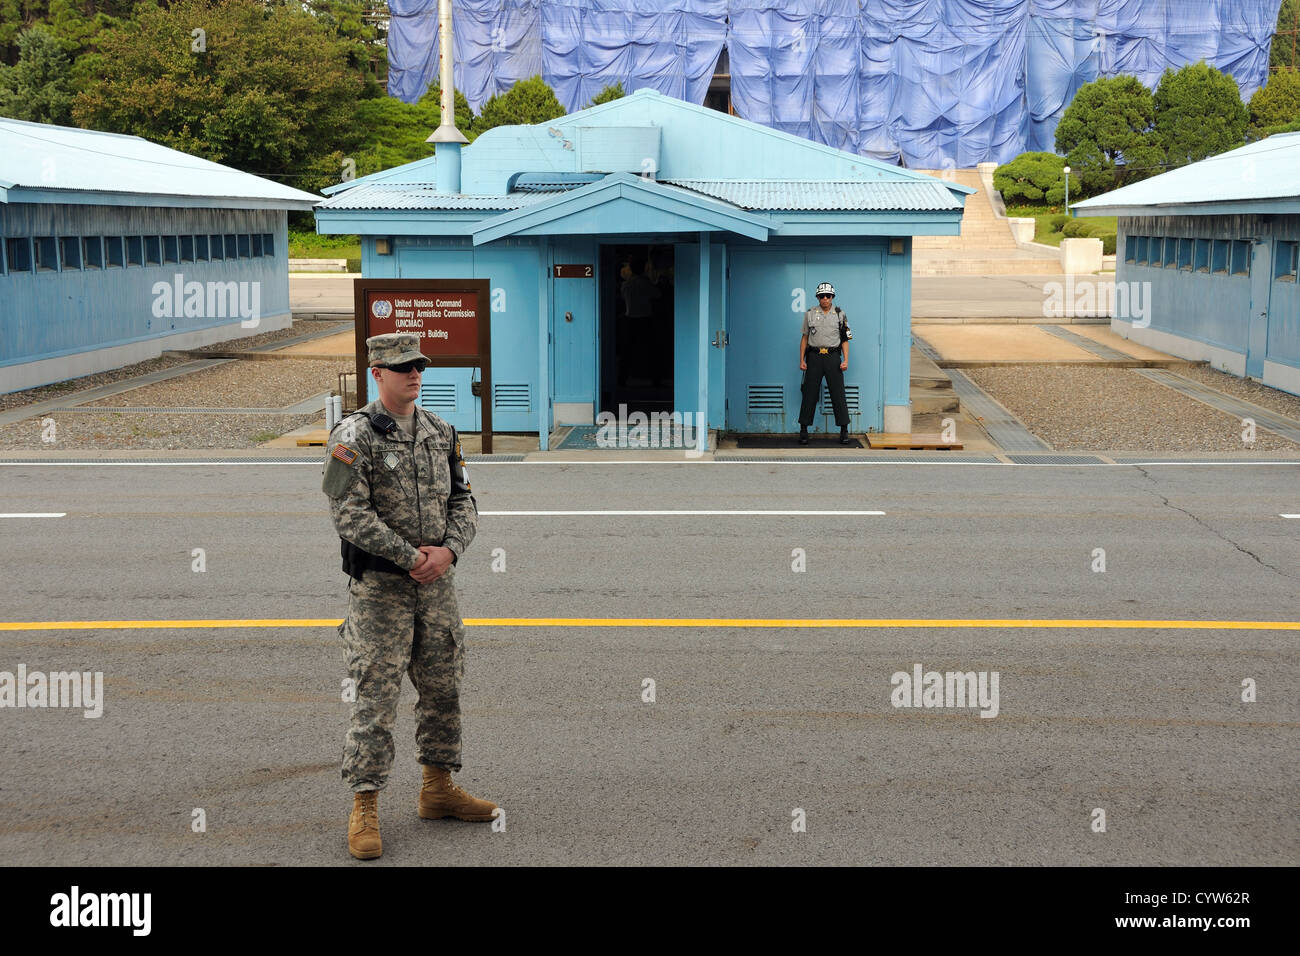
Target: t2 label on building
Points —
{"points": [[572, 271], [446, 321]]}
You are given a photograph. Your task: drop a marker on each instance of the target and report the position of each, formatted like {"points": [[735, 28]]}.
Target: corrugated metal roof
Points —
{"points": [[1269, 169], [50, 160], [777, 195], [408, 196]]}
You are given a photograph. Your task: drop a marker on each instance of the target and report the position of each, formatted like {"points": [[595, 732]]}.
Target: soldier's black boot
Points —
{"points": [[803, 434], [844, 435]]}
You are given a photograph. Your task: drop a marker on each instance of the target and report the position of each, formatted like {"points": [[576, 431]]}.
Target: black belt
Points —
{"points": [[821, 351], [356, 562]]}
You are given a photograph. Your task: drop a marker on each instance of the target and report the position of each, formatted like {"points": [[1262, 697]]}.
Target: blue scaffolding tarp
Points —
{"points": [[933, 83]]}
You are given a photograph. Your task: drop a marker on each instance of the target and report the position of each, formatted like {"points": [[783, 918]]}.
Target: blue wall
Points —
{"points": [[44, 314]]}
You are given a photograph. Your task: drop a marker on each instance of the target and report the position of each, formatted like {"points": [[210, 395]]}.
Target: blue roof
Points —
{"points": [[42, 163], [1263, 177], [816, 194]]}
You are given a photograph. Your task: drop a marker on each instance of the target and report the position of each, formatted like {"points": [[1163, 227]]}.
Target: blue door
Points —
{"points": [[1261, 288]]}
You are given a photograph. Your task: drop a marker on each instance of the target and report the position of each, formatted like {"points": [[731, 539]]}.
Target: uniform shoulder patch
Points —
{"points": [[345, 454]]}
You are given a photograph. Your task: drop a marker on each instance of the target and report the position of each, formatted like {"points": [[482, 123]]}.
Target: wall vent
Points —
{"points": [[765, 400], [850, 398], [439, 398], [511, 398]]}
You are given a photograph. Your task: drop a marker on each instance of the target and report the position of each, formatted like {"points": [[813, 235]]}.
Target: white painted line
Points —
{"points": [[33, 514], [1290, 516], [673, 513]]}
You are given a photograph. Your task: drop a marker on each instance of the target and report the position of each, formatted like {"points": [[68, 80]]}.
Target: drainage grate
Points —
{"points": [[1005, 429], [491, 459], [1055, 460], [862, 460]]}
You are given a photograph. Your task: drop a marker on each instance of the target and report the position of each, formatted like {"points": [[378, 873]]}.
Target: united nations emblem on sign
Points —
{"points": [[381, 308]]}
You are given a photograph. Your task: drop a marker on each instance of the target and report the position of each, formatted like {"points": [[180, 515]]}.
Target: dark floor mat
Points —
{"points": [[792, 441]]}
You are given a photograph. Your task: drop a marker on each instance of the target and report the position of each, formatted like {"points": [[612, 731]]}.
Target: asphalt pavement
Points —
{"points": [[1119, 690]]}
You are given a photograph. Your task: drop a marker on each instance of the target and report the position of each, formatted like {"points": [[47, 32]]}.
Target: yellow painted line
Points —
{"points": [[679, 622]]}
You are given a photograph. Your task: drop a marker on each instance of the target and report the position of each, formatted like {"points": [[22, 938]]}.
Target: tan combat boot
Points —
{"points": [[363, 826], [439, 797]]}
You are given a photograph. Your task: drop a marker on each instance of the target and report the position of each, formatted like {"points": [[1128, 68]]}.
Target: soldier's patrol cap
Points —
{"points": [[395, 348], [826, 289]]}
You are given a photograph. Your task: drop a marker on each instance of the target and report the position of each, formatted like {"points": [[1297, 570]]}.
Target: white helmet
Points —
{"points": [[826, 289]]}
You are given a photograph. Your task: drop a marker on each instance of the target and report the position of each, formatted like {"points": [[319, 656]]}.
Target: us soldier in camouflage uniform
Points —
{"points": [[401, 503]]}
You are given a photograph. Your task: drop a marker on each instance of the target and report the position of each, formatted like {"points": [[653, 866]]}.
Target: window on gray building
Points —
{"points": [[187, 248], [201, 248], [232, 248], [257, 245], [18, 251], [134, 251], [1287, 254], [268, 244], [171, 250], [1219, 257], [70, 251], [245, 247], [92, 252], [47, 254], [1240, 257], [114, 256], [1185, 253], [1202, 263], [1171, 252], [216, 248], [152, 250]]}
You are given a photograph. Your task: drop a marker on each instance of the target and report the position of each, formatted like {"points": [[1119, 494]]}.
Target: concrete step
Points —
{"points": [[931, 390], [981, 267]]}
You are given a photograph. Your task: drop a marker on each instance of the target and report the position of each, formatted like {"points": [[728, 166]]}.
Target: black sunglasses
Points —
{"points": [[406, 367], [825, 295]]}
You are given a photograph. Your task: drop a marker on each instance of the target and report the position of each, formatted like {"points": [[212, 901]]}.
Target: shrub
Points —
{"points": [[1035, 178], [1058, 221], [1108, 241]]}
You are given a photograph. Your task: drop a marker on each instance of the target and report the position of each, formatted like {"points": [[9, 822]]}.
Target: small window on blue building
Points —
{"points": [[114, 255], [1240, 257], [70, 251], [1219, 260], [187, 248], [1171, 252], [92, 252], [232, 249], [201, 248], [1286, 261], [268, 244], [134, 251], [215, 248], [257, 245], [47, 255], [171, 251], [18, 251], [1185, 249], [152, 250], [1202, 263], [244, 245], [1139, 246], [1130, 248]]}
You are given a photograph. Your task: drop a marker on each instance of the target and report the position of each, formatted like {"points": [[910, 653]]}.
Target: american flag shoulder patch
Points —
{"points": [[345, 454]]}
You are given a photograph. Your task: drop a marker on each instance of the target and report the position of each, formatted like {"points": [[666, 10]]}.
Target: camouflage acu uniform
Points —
{"points": [[390, 494]]}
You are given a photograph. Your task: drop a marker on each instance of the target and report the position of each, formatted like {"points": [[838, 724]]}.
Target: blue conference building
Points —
{"points": [[1212, 249], [690, 243], [115, 248]]}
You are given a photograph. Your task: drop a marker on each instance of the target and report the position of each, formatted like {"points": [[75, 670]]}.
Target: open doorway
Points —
{"points": [[636, 327]]}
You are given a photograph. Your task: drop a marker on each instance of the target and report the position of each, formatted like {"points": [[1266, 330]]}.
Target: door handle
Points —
{"points": [[720, 339]]}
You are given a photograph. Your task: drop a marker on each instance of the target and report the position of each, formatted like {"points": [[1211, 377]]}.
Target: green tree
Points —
{"points": [[1034, 178], [1285, 49], [1107, 134], [528, 101], [265, 87], [1199, 113], [1277, 103], [39, 87], [608, 94], [395, 132]]}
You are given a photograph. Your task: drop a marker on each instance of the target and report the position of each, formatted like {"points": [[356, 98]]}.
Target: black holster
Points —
{"points": [[357, 562]]}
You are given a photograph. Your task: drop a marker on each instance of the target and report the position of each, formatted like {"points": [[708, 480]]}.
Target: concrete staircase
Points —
{"points": [[985, 246], [931, 389]]}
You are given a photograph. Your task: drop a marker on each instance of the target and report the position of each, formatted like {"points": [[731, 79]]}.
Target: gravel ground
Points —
{"points": [[1104, 409], [1274, 400], [266, 338], [91, 430], [61, 389], [245, 383]]}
